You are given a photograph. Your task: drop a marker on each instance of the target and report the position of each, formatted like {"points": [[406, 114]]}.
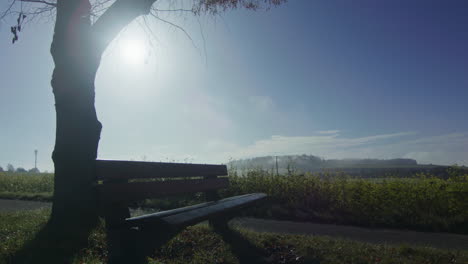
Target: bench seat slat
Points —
{"points": [[193, 214], [111, 169], [142, 190]]}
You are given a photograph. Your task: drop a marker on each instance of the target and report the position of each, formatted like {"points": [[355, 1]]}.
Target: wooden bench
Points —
{"points": [[120, 183]]}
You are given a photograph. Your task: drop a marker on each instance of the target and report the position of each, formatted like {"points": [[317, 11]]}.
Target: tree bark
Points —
{"points": [[77, 127]]}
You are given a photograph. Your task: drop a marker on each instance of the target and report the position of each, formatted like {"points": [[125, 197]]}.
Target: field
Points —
{"points": [[422, 202], [199, 244], [26, 186]]}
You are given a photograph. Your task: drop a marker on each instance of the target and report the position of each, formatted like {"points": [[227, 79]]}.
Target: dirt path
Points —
{"points": [[438, 240]]}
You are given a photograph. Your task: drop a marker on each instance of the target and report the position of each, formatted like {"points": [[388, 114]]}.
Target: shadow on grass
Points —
{"points": [[142, 243], [55, 244], [243, 249]]}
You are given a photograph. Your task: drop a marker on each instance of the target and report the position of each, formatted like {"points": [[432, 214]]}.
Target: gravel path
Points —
{"points": [[390, 236], [17, 205]]}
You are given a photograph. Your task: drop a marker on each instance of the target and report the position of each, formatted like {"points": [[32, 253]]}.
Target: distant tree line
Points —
{"points": [[313, 163], [11, 168], [362, 168]]}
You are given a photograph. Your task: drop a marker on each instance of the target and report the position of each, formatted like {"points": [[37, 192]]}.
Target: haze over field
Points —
{"points": [[337, 79]]}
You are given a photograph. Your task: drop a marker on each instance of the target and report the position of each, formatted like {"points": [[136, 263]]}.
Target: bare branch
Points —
{"points": [[204, 42], [38, 8], [39, 1], [111, 16], [7, 11], [176, 26], [98, 8], [116, 17]]}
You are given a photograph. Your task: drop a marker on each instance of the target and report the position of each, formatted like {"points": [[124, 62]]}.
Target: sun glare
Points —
{"points": [[133, 51]]}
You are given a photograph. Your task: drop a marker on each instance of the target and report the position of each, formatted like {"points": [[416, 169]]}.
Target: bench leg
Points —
{"points": [[121, 241], [123, 247], [245, 251]]}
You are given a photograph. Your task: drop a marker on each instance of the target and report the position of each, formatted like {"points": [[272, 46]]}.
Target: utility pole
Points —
{"points": [[35, 159], [276, 165]]}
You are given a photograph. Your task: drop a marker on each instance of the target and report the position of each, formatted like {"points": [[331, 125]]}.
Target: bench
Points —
{"points": [[121, 183]]}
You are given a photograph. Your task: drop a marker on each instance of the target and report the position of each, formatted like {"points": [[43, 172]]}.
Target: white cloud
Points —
{"points": [[329, 132]]}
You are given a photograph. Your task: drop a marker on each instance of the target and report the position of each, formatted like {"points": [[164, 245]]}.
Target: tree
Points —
{"points": [[10, 168], [34, 170], [21, 170], [1, 169], [76, 49]]}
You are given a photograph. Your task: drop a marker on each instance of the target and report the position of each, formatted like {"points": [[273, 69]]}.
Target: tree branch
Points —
{"points": [[176, 26], [7, 11], [173, 10], [115, 18], [39, 1]]}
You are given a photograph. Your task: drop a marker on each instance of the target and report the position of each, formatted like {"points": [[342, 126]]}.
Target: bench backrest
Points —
{"points": [[137, 180]]}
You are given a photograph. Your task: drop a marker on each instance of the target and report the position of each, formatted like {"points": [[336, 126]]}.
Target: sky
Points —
{"points": [[331, 78]]}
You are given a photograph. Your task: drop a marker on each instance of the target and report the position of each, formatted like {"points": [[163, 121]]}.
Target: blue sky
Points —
{"points": [[337, 79]]}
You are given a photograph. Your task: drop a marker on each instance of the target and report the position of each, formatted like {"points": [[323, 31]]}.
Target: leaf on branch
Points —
{"points": [[218, 6], [17, 28]]}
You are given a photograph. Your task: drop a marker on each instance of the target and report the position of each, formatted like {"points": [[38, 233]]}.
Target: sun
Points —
{"points": [[133, 51]]}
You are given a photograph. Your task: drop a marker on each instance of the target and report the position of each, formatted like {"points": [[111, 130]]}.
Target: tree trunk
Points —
{"points": [[75, 207], [77, 127], [77, 137], [76, 49]]}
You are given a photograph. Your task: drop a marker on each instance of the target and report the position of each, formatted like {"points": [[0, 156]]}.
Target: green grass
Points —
{"points": [[17, 228], [26, 186], [199, 244]]}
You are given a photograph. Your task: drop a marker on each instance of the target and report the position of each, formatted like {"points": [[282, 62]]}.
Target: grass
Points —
{"points": [[17, 228], [423, 202], [199, 244]]}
